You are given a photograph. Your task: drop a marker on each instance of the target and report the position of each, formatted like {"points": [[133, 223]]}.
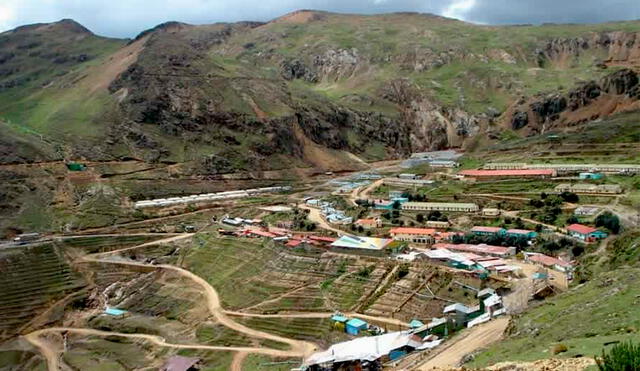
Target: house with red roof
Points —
{"points": [[369, 223], [585, 233], [548, 261], [413, 235]]}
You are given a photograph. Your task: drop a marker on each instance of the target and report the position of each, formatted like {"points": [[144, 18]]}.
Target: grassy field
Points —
{"points": [[584, 319]]}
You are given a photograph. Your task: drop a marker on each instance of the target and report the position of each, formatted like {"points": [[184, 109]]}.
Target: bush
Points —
{"points": [[559, 348], [569, 197], [622, 357], [609, 221], [420, 218]]}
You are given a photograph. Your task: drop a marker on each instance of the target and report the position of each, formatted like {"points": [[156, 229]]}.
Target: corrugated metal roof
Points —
{"points": [[580, 228], [519, 172]]}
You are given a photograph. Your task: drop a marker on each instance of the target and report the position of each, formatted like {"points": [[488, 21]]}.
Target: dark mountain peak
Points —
{"points": [[64, 25], [166, 26]]}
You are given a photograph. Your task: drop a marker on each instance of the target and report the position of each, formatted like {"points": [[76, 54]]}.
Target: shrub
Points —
{"points": [[559, 348], [622, 357], [609, 221]]}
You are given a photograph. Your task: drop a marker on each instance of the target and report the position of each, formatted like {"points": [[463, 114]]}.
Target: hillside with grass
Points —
{"points": [[306, 89]]}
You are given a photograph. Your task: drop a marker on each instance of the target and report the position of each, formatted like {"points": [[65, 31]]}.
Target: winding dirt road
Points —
{"points": [[469, 341]]}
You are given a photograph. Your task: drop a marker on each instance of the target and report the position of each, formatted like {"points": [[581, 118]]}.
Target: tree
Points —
{"points": [[609, 221], [434, 215], [360, 229], [396, 205], [569, 197], [420, 218]]}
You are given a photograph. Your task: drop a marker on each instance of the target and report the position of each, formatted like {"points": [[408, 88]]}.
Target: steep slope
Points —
{"points": [[229, 97]]}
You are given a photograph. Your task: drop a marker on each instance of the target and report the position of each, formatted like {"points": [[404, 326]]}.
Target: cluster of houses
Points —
{"points": [[502, 232], [329, 212], [371, 352]]}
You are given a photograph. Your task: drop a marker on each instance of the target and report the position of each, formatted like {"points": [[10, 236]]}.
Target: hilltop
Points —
{"points": [[306, 89]]}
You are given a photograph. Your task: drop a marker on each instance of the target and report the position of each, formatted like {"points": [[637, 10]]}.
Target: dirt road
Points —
{"points": [[471, 340], [391, 321], [298, 348], [316, 217]]}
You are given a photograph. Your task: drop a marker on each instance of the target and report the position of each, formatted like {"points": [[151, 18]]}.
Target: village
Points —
{"points": [[405, 257], [521, 245]]}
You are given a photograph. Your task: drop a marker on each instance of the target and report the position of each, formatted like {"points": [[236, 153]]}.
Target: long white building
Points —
{"points": [[208, 197]]}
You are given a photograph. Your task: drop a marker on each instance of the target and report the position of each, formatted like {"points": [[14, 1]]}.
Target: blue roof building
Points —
{"points": [[415, 323], [355, 325], [115, 312]]}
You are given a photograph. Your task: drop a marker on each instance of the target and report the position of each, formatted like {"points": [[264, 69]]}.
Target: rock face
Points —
{"points": [[587, 101], [296, 69], [622, 48], [336, 64]]}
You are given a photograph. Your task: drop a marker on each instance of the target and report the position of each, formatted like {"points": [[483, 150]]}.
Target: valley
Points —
{"points": [[321, 191]]}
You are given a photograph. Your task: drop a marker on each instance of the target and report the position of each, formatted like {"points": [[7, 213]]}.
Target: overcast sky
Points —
{"points": [[125, 18]]}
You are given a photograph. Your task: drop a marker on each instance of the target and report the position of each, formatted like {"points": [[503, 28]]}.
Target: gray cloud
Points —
{"points": [[555, 11], [125, 18]]}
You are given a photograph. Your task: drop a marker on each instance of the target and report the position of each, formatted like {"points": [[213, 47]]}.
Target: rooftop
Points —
{"points": [[408, 230], [547, 260], [366, 243], [443, 204], [479, 249], [519, 172], [486, 229], [580, 228]]}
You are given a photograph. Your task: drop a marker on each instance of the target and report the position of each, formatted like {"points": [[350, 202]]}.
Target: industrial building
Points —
{"points": [[481, 249], [208, 197], [501, 174], [568, 168], [589, 188], [361, 243], [441, 206]]}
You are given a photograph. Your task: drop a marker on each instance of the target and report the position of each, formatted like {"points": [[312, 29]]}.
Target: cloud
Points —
{"points": [[125, 18]]}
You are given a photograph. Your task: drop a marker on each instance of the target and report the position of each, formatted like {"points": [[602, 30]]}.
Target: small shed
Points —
{"points": [[355, 325], [594, 176], [115, 312], [415, 323], [74, 166]]}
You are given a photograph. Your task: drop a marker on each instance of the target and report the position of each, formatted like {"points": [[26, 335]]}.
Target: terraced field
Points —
{"points": [[32, 278], [96, 244]]}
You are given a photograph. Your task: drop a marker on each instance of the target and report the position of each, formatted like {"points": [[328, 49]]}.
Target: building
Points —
{"points": [[443, 163], [487, 211], [589, 188], [586, 211], [371, 244], [592, 176], [115, 312], [524, 233], [480, 249], [440, 206], [408, 176], [487, 231], [180, 363], [369, 223], [395, 194], [369, 352], [570, 168], [548, 261], [413, 235], [501, 174], [437, 224], [355, 325], [585, 233]]}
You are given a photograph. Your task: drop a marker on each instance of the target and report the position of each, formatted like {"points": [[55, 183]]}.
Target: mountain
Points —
{"points": [[307, 89]]}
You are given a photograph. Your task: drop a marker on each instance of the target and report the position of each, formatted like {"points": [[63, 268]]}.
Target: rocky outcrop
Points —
{"points": [[622, 48], [335, 64], [296, 69], [588, 101]]}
